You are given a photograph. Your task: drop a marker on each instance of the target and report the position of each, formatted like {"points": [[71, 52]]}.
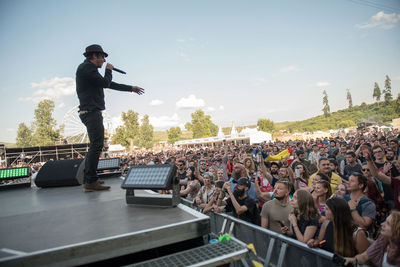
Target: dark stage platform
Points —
{"points": [[65, 226]]}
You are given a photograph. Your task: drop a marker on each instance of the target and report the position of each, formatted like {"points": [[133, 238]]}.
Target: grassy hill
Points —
{"points": [[377, 112]]}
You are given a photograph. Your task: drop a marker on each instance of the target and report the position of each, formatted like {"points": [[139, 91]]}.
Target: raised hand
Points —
{"points": [[138, 90]]}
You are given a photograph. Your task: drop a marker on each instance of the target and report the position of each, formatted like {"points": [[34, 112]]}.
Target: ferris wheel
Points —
{"points": [[75, 130]]}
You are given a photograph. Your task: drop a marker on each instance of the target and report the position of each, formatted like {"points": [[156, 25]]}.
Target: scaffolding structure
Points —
{"points": [[15, 156]]}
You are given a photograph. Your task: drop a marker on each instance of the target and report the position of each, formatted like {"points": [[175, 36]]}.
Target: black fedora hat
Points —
{"points": [[94, 49]]}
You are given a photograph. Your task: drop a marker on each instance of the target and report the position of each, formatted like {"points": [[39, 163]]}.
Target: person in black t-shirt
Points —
{"points": [[337, 231], [352, 165], [380, 162], [181, 171], [241, 206], [304, 221]]}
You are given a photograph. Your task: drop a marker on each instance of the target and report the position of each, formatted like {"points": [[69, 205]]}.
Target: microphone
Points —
{"points": [[120, 71]]}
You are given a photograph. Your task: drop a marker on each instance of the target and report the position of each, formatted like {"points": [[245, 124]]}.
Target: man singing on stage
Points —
{"points": [[90, 89]]}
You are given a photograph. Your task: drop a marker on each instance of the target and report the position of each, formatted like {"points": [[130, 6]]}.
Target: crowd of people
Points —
{"points": [[341, 193]]}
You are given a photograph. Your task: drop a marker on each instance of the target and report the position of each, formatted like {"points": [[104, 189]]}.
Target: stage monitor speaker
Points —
{"points": [[61, 173]]}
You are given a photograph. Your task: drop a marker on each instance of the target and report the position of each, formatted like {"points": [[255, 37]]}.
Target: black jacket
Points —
{"points": [[90, 86]]}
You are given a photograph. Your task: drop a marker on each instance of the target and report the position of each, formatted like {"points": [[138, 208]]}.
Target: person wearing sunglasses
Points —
{"points": [[388, 171], [203, 168], [181, 171]]}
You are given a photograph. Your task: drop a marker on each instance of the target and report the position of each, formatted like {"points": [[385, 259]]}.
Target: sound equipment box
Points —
{"points": [[61, 173]]}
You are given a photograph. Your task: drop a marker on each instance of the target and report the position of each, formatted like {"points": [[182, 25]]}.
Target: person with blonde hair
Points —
{"points": [[385, 250], [250, 167]]}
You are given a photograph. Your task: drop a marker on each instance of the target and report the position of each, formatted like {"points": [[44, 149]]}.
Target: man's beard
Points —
{"points": [[274, 173], [239, 193], [279, 198], [389, 158], [236, 175]]}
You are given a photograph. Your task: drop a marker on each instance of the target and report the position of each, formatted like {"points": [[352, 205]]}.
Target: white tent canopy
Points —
{"points": [[256, 136], [116, 148]]}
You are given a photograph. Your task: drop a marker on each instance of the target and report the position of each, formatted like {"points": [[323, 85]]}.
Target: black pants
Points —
{"points": [[94, 124]]}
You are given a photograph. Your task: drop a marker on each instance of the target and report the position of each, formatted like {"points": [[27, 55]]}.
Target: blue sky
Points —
{"points": [[237, 60]]}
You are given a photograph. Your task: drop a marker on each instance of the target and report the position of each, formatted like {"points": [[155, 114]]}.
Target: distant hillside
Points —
{"points": [[376, 112]]}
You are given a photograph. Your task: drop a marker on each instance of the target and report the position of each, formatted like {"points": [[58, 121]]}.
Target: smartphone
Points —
{"points": [[281, 223], [297, 171]]}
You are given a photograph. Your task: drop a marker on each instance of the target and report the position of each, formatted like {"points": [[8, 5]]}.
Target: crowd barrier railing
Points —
{"points": [[273, 248]]}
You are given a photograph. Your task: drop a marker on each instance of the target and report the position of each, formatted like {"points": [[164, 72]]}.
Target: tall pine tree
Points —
{"points": [[326, 109], [348, 95], [387, 93], [377, 92]]}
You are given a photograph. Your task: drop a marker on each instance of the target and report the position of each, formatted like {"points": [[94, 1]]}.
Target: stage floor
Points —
{"points": [[65, 226]]}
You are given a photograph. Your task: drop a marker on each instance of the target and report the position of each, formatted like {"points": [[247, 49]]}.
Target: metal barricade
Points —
{"points": [[275, 249]]}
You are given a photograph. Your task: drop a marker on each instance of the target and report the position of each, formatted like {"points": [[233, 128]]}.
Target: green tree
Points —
{"points": [[129, 131], [326, 109], [24, 136], [377, 92], [44, 132], [201, 125], [174, 134], [397, 105], [265, 125], [387, 93], [348, 96], [146, 133]]}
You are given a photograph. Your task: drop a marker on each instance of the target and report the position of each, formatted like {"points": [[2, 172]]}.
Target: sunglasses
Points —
{"points": [[203, 163], [365, 170], [180, 165]]}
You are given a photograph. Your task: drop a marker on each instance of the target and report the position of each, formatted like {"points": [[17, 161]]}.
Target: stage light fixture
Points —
{"points": [[14, 173], [109, 164], [155, 177]]}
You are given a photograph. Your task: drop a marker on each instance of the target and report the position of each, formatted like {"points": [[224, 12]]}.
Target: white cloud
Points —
{"points": [[10, 130], [397, 78], [156, 102], [61, 105], [190, 102], [210, 109], [221, 107], [165, 121], [382, 20], [260, 80], [322, 84], [183, 40], [54, 88], [162, 122], [183, 55], [289, 68]]}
